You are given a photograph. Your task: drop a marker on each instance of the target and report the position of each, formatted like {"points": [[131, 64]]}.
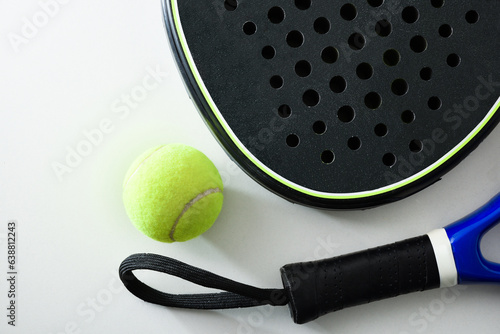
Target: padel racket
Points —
{"points": [[442, 258], [341, 104]]}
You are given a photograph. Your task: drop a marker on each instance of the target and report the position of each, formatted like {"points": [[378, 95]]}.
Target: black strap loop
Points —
{"points": [[238, 295]]}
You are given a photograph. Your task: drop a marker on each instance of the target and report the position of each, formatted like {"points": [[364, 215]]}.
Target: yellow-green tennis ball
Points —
{"points": [[173, 193]]}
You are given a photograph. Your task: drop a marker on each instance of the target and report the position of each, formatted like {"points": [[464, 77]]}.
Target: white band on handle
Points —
{"points": [[444, 257]]}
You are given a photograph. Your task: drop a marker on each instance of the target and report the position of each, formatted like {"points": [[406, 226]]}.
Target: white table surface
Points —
{"points": [[70, 76]]}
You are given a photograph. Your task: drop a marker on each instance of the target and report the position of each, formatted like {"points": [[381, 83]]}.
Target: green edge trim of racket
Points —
{"points": [[288, 183]]}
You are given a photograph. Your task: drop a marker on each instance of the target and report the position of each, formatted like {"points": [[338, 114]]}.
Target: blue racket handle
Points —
{"points": [[442, 258], [465, 240]]}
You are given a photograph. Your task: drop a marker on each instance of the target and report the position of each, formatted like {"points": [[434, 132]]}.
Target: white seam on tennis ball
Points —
{"points": [[143, 161], [189, 205]]}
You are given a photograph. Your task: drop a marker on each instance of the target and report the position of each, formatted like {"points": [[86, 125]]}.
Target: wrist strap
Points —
{"points": [[236, 294], [311, 289]]}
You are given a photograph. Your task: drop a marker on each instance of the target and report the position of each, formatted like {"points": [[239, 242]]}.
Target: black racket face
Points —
{"points": [[342, 104]]}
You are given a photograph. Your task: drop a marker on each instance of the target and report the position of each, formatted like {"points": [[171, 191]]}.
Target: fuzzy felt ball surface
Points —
{"points": [[173, 193]]}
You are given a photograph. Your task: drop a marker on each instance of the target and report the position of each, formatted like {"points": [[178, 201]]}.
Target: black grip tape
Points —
{"points": [[321, 287]]}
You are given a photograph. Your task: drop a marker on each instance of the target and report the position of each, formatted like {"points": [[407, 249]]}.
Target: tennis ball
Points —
{"points": [[173, 193]]}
